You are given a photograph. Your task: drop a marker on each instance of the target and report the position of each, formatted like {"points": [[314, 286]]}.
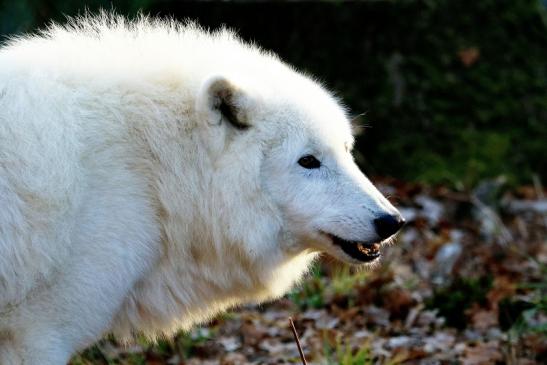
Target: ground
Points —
{"points": [[465, 283]]}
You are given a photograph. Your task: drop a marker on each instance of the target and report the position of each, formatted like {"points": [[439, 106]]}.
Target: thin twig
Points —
{"points": [[297, 342]]}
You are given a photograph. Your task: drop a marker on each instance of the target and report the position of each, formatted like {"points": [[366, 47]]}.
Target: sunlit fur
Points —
{"points": [[129, 204]]}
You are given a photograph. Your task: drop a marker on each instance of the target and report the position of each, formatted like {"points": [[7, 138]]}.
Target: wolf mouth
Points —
{"points": [[362, 251]]}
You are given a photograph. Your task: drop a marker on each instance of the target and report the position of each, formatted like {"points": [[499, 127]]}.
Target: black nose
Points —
{"points": [[387, 225]]}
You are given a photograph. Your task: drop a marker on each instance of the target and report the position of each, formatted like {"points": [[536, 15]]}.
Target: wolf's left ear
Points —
{"points": [[220, 101]]}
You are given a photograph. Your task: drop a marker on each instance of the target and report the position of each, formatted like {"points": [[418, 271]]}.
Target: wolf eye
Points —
{"points": [[309, 162]]}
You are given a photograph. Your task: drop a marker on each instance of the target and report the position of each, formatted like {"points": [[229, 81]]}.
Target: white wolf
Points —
{"points": [[153, 174]]}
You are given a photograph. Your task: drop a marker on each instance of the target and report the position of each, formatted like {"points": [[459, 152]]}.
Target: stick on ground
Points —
{"points": [[297, 342]]}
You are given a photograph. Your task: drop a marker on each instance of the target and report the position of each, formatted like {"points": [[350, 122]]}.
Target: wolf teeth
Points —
{"points": [[370, 250]]}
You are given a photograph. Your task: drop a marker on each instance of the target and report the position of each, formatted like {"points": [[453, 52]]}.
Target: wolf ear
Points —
{"points": [[220, 101]]}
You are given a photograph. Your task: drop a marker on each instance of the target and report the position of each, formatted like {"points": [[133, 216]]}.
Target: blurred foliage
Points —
{"points": [[338, 284], [516, 314], [454, 300], [341, 354], [451, 90], [311, 292]]}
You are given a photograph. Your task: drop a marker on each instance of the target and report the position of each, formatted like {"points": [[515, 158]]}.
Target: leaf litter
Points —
{"points": [[466, 283]]}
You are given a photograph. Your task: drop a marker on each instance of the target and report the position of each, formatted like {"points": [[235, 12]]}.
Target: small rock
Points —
{"points": [[432, 210], [233, 359], [444, 261], [401, 342], [230, 344]]}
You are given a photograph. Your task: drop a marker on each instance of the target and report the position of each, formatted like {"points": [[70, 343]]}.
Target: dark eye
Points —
{"points": [[309, 162]]}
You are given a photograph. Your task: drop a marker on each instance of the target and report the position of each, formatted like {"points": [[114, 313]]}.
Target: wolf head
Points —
{"points": [[284, 146]]}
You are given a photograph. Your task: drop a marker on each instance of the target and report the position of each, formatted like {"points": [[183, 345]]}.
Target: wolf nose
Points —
{"points": [[387, 225]]}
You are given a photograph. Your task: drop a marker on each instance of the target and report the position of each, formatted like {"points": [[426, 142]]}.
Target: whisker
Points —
{"points": [[357, 126]]}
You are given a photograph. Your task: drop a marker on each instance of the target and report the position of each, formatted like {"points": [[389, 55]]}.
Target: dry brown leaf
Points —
{"points": [[483, 353], [484, 319], [469, 56]]}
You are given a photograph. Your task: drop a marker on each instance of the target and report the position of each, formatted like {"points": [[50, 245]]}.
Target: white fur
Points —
{"points": [[130, 204]]}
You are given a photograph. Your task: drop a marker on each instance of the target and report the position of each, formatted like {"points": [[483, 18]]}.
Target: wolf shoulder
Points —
{"points": [[68, 179]]}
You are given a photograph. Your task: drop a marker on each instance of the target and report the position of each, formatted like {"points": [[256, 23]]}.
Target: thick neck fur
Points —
{"points": [[212, 257]]}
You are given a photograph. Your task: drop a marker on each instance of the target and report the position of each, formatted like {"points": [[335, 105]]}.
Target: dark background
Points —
{"points": [[451, 91]]}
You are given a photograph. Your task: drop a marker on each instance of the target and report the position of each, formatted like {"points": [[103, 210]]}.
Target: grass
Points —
{"points": [[520, 315], [344, 354], [310, 294], [185, 344], [346, 279], [95, 355], [318, 289]]}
